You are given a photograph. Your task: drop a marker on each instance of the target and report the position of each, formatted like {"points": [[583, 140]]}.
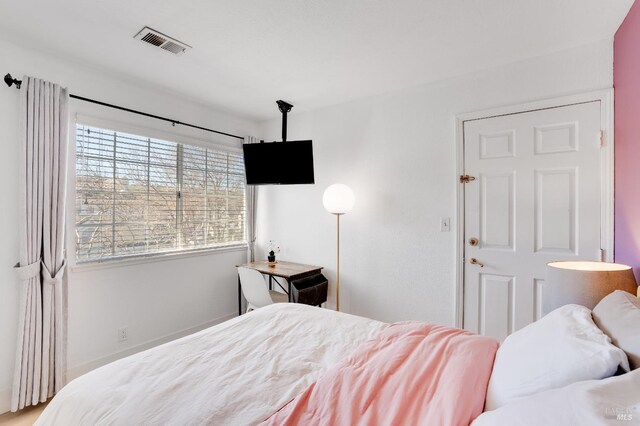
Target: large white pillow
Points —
{"points": [[611, 401], [618, 315], [563, 347]]}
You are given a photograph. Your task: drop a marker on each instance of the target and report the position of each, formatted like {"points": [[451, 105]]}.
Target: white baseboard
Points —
{"points": [[79, 370]]}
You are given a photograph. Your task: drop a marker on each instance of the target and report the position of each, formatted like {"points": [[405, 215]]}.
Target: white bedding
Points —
{"points": [[611, 401], [235, 373]]}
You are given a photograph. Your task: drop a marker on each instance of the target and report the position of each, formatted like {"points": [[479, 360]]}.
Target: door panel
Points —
{"points": [[556, 138], [555, 215], [497, 306], [536, 198], [496, 145], [496, 211]]}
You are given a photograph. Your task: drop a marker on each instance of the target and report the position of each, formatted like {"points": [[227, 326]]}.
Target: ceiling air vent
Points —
{"points": [[155, 38]]}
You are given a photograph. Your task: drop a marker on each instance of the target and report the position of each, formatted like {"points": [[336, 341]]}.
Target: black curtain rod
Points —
{"points": [[10, 81]]}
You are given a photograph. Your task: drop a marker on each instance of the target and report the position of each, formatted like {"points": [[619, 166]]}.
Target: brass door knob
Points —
{"points": [[474, 261], [473, 241]]}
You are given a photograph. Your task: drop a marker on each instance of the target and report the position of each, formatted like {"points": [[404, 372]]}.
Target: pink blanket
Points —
{"points": [[410, 374]]}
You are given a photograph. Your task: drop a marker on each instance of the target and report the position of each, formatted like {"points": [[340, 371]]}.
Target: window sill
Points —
{"points": [[132, 260]]}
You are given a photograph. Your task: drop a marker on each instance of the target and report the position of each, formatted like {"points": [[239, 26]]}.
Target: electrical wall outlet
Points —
{"points": [[122, 334], [445, 224]]}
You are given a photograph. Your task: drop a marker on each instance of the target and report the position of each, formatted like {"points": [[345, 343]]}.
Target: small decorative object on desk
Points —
{"points": [[273, 249]]}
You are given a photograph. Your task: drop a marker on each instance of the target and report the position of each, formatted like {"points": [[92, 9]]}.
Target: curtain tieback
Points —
{"points": [[55, 279], [29, 271]]}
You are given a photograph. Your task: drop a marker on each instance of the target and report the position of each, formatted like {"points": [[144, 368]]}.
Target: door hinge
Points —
{"points": [[601, 138], [466, 178]]}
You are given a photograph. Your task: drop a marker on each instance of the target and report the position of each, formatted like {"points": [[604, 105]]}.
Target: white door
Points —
{"points": [[535, 199]]}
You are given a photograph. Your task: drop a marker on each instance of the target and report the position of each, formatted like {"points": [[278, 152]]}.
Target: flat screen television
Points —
{"points": [[279, 163]]}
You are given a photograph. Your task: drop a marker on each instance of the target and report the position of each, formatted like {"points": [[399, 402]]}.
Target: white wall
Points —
{"points": [[398, 154], [156, 300]]}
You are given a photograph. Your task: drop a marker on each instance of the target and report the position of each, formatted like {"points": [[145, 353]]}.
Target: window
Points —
{"points": [[137, 195]]}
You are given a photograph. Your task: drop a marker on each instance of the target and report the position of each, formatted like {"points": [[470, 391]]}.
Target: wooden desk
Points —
{"points": [[287, 270]]}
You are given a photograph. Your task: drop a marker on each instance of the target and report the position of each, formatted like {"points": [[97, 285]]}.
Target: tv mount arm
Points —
{"points": [[284, 108]]}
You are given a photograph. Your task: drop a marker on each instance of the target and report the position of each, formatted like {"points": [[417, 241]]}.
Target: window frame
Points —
{"points": [[169, 136]]}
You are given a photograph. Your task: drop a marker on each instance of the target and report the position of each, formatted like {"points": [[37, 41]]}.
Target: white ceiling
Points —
{"points": [[312, 53]]}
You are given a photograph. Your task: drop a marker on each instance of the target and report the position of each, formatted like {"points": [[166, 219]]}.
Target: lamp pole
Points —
{"points": [[338, 199], [338, 264]]}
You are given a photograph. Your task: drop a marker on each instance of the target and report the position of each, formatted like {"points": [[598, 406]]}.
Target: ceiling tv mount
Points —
{"points": [[284, 108]]}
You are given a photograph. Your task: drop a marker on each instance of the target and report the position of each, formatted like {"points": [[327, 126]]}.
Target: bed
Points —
{"points": [[235, 373], [299, 365]]}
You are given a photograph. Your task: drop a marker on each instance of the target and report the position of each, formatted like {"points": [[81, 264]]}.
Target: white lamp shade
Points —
{"points": [[338, 199], [584, 283]]}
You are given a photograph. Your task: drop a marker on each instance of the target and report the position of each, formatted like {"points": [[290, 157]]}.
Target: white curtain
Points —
{"points": [[252, 204], [40, 369]]}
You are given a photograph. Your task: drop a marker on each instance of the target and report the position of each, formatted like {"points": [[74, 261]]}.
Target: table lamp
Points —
{"points": [[584, 283], [338, 200]]}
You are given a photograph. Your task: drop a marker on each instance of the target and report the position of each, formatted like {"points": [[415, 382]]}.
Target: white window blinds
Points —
{"points": [[137, 195]]}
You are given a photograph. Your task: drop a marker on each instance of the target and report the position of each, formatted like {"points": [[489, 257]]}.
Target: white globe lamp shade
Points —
{"points": [[338, 199]]}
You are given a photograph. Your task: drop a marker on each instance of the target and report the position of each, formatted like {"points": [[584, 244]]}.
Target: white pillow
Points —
{"points": [[618, 315], [561, 348], [615, 400]]}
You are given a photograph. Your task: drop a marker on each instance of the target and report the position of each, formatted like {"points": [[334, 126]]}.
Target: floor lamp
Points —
{"points": [[338, 199]]}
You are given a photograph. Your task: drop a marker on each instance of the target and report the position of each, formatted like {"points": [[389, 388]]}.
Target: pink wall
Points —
{"points": [[626, 81]]}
